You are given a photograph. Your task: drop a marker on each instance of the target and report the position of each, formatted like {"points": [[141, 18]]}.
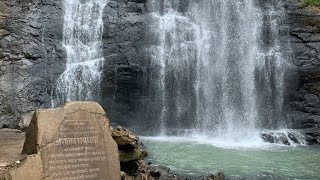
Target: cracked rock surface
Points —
{"points": [[303, 93], [31, 56]]}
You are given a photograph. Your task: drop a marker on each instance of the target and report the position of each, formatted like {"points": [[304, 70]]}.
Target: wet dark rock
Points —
{"points": [[286, 138], [312, 133], [268, 138], [312, 129], [30, 56], [219, 176], [282, 139], [293, 138], [124, 74], [279, 138], [303, 79]]}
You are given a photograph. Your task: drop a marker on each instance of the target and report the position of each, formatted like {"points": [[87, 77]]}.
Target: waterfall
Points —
{"points": [[82, 40], [219, 66], [176, 56]]}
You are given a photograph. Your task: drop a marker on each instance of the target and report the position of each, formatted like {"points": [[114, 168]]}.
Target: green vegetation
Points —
{"points": [[310, 3]]}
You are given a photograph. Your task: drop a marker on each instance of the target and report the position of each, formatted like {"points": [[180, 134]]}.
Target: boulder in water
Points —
{"points": [[278, 138], [268, 138], [125, 139], [293, 138], [128, 145], [285, 137]]}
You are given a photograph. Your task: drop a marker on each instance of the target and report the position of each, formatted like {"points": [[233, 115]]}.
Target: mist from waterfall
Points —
{"points": [[219, 66], [82, 40]]}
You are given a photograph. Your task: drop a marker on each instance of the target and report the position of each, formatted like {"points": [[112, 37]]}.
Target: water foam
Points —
{"points": [[254, 141]]}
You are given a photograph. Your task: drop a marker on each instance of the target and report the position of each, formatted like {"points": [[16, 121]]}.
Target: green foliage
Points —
{"points": [[310, 3]]}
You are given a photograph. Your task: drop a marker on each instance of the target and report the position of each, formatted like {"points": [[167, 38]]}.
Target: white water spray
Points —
{"points": [[220, 66], [82, 40]]}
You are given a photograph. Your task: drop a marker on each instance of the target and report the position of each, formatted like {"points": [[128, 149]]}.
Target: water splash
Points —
{"points": [[82, 35], [284, 136], [262, 140], [174, 55]]}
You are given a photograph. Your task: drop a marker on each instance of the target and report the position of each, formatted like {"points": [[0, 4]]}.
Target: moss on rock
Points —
{"points": [[310, 3]]}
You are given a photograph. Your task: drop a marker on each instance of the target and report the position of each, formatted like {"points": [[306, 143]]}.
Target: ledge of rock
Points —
{"points": [[128, 145], [125, 139]]}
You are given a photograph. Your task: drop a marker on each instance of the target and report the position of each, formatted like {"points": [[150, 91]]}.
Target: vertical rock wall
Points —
{"points": [[305, 41], [127, 72], [124, 85], [303, 104], [31, 56]]}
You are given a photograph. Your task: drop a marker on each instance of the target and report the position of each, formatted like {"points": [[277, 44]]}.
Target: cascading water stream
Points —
{"points": [[82, 40], [176, 57], [220, 67]]}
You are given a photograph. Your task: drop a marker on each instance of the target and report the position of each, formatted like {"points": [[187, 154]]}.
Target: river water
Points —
{"points": [[193, 157]]}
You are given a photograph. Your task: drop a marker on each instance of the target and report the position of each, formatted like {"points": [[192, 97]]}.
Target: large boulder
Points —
{"points": [[71, 142]]}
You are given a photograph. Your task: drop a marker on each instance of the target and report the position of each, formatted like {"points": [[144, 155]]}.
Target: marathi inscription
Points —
{"points": [[72, 142], [79, 153], [77, 141]]}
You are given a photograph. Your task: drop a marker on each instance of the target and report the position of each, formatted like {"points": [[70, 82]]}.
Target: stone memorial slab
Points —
{"points": [[74, 143]]}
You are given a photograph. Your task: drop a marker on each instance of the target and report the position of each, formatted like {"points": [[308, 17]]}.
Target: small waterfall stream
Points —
{"points": [[220, 67], [176, 56], [82, 39]]}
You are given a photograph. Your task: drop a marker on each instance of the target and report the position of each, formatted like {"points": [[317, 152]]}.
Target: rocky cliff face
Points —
{"points": [[304, 90], [127, 70], [124, 86], [31, 56]]}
